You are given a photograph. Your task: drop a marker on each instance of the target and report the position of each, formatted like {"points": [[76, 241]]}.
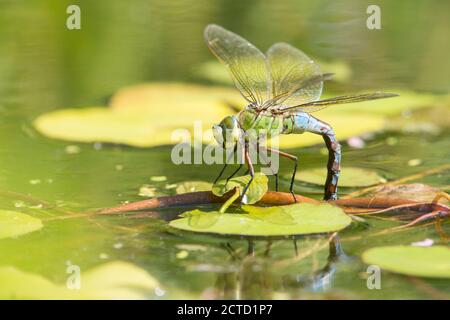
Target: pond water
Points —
{"points": [[44, 67]]}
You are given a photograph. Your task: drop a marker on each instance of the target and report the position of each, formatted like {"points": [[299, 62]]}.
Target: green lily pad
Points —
{"points": [[113, 280], [431, 262], [255, 191], [13, 224], [99, 124], [349, 177], [304, 218], [145, 115]]}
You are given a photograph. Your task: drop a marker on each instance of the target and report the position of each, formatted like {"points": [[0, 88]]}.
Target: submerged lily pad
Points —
{"points": [[255, 191], [414, 191], [295, 219], [13, 224], [432, 262], [349, 177]]}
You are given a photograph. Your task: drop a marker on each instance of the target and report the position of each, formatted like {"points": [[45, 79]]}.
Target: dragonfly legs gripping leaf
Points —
{"points": [[269, 163], [251, 171], [220, 173], [227, 161], [293, 158], [234, 173]]}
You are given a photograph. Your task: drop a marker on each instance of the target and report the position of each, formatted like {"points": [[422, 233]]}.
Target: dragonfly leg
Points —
{"points": [[293, 158], [334, 157], [267, 162], [234, 173], [227, 161], [220, 173], [250, 169]]}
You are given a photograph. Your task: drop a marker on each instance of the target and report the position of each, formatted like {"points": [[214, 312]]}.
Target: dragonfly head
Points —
{"points": [[227, 132]]}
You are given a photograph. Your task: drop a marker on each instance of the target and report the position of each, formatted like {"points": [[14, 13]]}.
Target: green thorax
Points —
{"points": [[264, 121]]}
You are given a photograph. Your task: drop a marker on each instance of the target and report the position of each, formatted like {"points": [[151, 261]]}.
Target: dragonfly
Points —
{"points": [[282, 88]]}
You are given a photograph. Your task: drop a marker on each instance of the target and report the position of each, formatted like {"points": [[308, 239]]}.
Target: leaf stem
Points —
{"points": [[230, 200]]}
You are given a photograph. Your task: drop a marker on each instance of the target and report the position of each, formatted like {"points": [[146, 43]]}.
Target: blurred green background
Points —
{"points": [[124, 42]]}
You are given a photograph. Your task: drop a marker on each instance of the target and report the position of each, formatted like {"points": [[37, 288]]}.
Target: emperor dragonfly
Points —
{"points": [[282, 87]]}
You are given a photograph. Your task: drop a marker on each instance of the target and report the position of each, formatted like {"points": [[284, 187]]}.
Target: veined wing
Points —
{"points": [[321, 104], [245, 62], [276, 102], [292, 71]]}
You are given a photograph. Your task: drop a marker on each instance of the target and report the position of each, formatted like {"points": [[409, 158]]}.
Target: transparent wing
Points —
{"points": [[290, 70], [276, 102], [245, 62], [321, 104]]}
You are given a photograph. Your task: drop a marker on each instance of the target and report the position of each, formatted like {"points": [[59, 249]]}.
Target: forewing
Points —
{"points": [[245, 62], [321, 104], [290, 70]]}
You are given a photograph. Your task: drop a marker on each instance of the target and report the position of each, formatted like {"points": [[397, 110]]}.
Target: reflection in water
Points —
{"points": [[257, 276]]}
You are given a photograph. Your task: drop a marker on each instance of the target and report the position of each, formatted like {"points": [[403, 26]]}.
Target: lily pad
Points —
{"points": [[305, 218], [113, 280], [432, 262], [99, 124], [349, 177], [13, 224], [144, 115], [255, 191], [414, 191]]}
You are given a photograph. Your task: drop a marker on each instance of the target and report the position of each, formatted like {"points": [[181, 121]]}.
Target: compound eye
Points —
{"points": [[218, 133]]}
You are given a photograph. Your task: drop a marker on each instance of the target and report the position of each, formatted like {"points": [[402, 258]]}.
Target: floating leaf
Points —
{"points": [[199, 220], [255, 191], [144, 115], [193, 186], [432, 262], [13, 224], [114, 280], [413, 191], [349, 177], [98, 124], [276, 215], [117, 279], [306, 219]]}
